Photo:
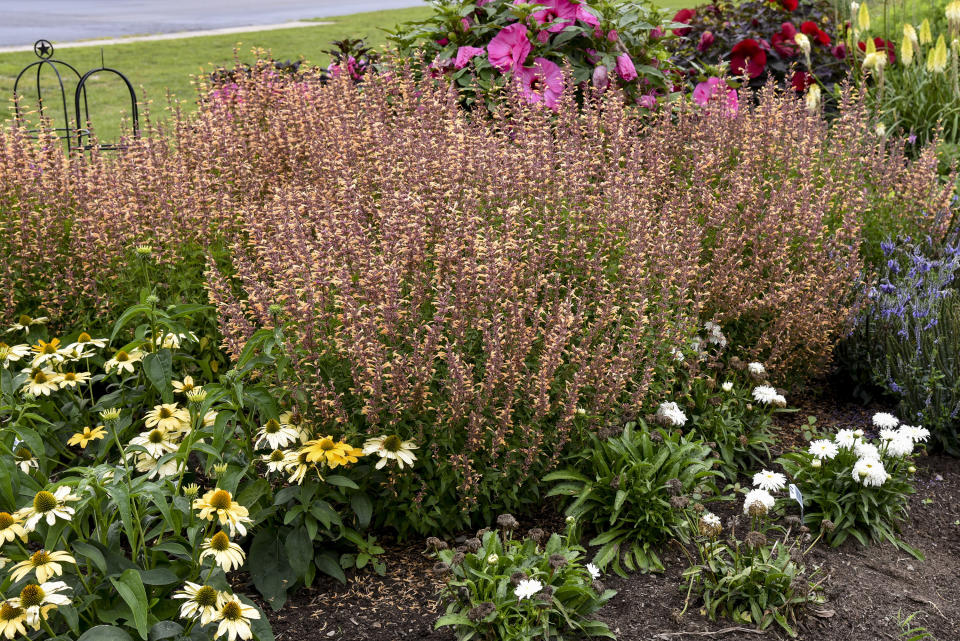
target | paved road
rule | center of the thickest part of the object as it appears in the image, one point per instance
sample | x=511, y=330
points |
x=24, y=21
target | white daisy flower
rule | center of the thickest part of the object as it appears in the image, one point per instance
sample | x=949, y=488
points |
x=916, y=434
x=527, y=588
x=727, y=386
x=389, y=448
x=845, y=438
x=883, y=420
x=769, y=481
x=758, y=502
x=823, y=449
x=593, y=570
x=864, y=449
x=870, y=472
x=899, y=446
x=672, y=413
x=756, y=369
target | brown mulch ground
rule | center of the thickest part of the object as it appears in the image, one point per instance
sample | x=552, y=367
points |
x=868, y=590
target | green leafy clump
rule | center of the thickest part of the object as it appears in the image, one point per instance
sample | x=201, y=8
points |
x=623, y=487
x=503, y=588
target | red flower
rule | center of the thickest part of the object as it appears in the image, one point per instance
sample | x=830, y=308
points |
x=811, y=29
x=684, y=16
x=789, y=5
x=706, y=39
x=783, y=41
x=840, y=51
x=881, y=45
x=747, y=55
x=801, y=80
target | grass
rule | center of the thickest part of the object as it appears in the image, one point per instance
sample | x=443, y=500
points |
x=158, y=67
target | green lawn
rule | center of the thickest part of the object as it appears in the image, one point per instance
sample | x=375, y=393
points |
x=158, y=67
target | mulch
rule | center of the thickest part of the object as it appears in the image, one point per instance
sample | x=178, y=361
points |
x=869, y=590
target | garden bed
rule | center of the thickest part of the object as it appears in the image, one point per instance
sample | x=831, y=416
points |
x=869, y=590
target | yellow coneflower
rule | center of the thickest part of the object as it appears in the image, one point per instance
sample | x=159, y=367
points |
x=152, y=466
x=86, y=436
x=25, y=460
x=391, y=448
x=46, y=564
x=157, y=442
x=937, y=57
x=297, y=466
x=294, y=420
x=12, y=353
x=184, y=386
x=227, y=554
x=234, y=618
x=202, y=601
x=85, y=341
x=10, y=528
x=37, y=601
x=276, y=460
x=276, y=434
x=168, y=416
x=72, y=379
x=123, y=361
x=46, y=352
x=12, y=619
x=25, y=322
x=41, y=382
x=220, y=504
x=48, y=506
x=330, y=453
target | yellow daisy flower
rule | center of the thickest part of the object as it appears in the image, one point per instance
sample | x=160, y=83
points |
x=234, y=618
x=12, y=619
x=201, y=601
x=87, y=435
x=72, y=379
x=25, y=322
x=168, y=416
x=47, y=352
x=219, y=503
x=391, y=448
x=184, y=386
x=297, y=466
x=332, y=453
x=41, y=382
x=123, y=361
x=227, y=554
x=46, y=564
x=10, y=527
x=37, y=600
x=48, y=506
x=12, y=353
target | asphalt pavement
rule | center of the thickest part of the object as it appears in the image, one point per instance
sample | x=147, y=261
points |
x=22, y=22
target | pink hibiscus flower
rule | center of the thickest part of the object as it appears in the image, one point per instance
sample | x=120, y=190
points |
x=464, y=54
x=704, y=91
x=509, y=48
x=543, y=82
x=625, y=67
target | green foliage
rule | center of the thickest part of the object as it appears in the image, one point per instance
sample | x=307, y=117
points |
x=622, y=487
x=485, y=585
x=754, y=581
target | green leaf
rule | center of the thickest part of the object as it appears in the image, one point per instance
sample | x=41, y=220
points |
x=165, y=630
x=341, y=481
x=105, y=633
x=159, y=576
x=299, y=547
x=131, y=590
x=92, y=554
x=363, y=507
x=452, y=619
x=270, y=569
x=330, y=565
x=159, y=370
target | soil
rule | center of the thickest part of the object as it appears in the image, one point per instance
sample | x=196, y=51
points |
x=869, y=590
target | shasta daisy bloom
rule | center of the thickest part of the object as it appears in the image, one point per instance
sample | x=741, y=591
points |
x=758, y=502
x=672, y=413
x=823, y=449
x=46, y=564
x=48, y=506
x=168, y=416
x=12, y=619
x=768, y=396
x=41, y=382
x=864, y=449
x=870, y=472
x=727, y=386
x=769, y=481
x=10, y=528
x=297, y=466
x=276, y=434
x=845, y=438
x=756, y=370
x=527, y=588
x=24, y=323
x=200, y=601
x=593, y=570
x=220, y=504
x=72, y=379
x=276, y=460
x=917, y=434
x=123, y=361
x=899, y=446
x=156, y=442
x=25, y=460
x=87, y=435
x=883, y=420
x=234, y=618
x=37, y=601
x=12, y=353
x=227, y=554
x=888, y=434
x=389, y=448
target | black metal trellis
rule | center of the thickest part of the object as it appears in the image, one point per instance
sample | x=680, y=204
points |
x=76, y=137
